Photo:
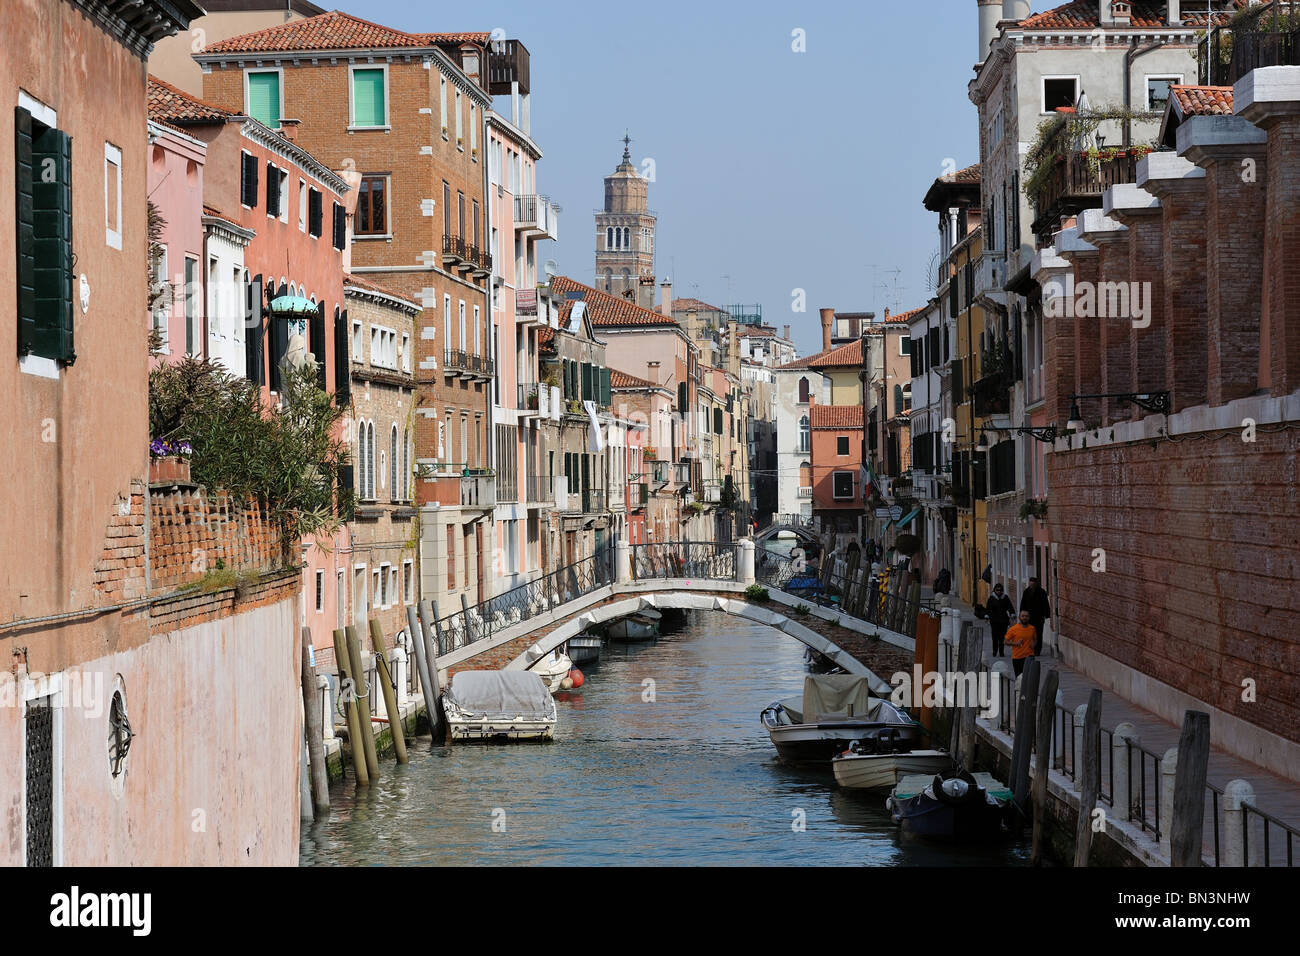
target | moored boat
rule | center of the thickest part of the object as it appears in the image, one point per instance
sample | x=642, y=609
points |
x=954, y=805
x=584, y=649
x=498, y=706
x=859, y=769
x=638, y=627
x=551, y=667
x=835, y=710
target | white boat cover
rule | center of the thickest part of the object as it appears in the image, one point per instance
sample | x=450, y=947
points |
x=831, y=695
x=506, y=694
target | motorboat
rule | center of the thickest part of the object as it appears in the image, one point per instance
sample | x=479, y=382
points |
x=875, y=764
x=819, y=663
x=584, y=649
x=552, y=667
x=499, y=706
x=954, y=805
x=835, y=710
x=638, y=627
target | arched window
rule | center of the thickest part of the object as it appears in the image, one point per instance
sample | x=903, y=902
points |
x=393, y=489
x=805, y=475
x=609, y=237
x=370, y=461
x=406, y=464
x=361, y=460
x=803, y=391
x=803, y=433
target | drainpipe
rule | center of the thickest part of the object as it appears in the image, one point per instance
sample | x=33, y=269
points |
x=1131, y=54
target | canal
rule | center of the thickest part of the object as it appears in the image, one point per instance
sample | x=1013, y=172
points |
x=658, y=759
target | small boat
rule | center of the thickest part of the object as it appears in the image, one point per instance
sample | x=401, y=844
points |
x=875, y=765
x=584, y=649
x=551, y=668
x=953, y=805
x=641, y=626
x=498, y=706
x=819, y=663
x=836, y=709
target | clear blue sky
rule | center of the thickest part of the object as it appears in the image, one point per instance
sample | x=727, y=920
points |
x=782, y=170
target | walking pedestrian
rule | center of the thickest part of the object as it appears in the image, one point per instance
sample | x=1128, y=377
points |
x=1034, y=600
x=1000, y=612
x=943, y=583
x=1020, y=638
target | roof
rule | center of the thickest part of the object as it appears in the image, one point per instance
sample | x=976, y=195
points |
x=607, y=311
x=685, y=305
x=1085, y=15
x=901, y=317
x=756, y=331
x=847, y=354
x=335, y=31
x=836, y=416
x=1202, y=100
x=167, y=104
x=619, y=379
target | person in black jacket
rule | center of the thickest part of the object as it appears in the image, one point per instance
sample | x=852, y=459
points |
x=1000, y=611
x=1034, y=600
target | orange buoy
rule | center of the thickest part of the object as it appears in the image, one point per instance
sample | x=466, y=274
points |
x=575, y=675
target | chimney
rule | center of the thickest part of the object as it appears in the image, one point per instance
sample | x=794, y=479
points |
x=990, y=11
x=1122, y=11
x=289, y=129
x=1175, y=13
x=786, y=334
x=1015, y=10
x=886, y=313
x=828, y=319
x=666, y=297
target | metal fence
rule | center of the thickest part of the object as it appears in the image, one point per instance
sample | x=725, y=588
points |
x=684, y=559
x=481, y=621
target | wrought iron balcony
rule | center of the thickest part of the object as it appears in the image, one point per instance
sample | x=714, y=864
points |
x=453, y=250
x=531, y=397
x=537, y=216
x=467, y=365
x=1260, y=36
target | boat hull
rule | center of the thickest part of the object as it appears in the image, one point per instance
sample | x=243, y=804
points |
x=584, y=650
x=818, y=744
x=631, y=630
x=883, y=771
x=933, y=815
x=500, y=731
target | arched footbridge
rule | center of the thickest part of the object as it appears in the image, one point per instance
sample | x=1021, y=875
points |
x=678, y=575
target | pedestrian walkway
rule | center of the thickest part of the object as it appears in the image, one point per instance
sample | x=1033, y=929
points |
x=1274, y=794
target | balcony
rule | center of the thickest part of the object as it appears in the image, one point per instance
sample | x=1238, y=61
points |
x=638, y=493
x=454, y=251
x=1266, y=35
x=508, y=64
x=805, y=491
x=992, y=395
x=478, y=491
x=537, y=216
x=541, y=490
x=588, y=501
x=527, y=308
x=466, y=365
x=1072, y=178
x=530, y=400
x=712, y=492
x=480, y=262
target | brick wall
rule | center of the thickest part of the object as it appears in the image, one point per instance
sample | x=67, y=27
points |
x=192, y=533
x=1202, y=553
x=1184, y=288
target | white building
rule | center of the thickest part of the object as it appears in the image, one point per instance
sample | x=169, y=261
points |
x=796, y=384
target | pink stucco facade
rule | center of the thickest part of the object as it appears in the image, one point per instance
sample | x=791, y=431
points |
x=175, y=185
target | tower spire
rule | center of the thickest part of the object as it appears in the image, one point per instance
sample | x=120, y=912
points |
x=627, y=143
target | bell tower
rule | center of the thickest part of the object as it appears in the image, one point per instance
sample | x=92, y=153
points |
x=625, y=235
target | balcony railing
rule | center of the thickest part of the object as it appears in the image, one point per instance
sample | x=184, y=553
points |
x=508, y=64
x=537, y=215
x=541, y=489
x=712, y=492
x=1076, y=181
x=454, y=249
x=480, y=261
x=638, y=493
x=805, y=491
x=530, y=398
x=1268, y=35
x=587, y=501
x=478, y=491
x=468, y=364
x=507, y=489
x=992, y=395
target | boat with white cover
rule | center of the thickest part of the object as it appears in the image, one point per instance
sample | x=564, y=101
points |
x=835, y=710
x=875, y=765
x=551, y=668
x=488, y=706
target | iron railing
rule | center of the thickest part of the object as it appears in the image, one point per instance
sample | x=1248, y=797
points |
x=1265, y=853
x=481, y=621
x=541, y=489
x=684, y=559
x=1268, y=35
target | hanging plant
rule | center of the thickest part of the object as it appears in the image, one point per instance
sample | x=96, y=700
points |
x=1062, y=134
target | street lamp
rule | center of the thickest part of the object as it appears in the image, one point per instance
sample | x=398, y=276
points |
x=1155, y=402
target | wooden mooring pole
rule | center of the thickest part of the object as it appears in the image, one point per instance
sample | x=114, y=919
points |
x=390, y=692
x=1043, y=761
x=348, y=691
x=319, y=775
x=1187, y=825
x=1089, y=778
x=1024, y=742
x=363, y=701
x=428, y=687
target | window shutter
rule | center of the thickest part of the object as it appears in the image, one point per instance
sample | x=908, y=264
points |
x=272, y=190
x=316, y=339
x=367, y=97
x=314, y=212
x=604, y=387
x=681, y=397
x=248, y=181
x=52, y=220
x=340, y=227
x=25, y=218
x=342, y=378
x=586, y=382
x=253, y=332
x=717, y=421
x=264, y=98
x=279, y=346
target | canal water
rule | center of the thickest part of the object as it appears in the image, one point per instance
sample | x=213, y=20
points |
x=658, y=759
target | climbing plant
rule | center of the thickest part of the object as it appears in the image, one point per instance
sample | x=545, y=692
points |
x=1057, y=135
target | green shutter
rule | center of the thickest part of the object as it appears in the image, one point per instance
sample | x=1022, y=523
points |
x=604, y=387
x=52, y=219
x=367, y=97
x=264, y=98
x=24, y=216
x=586, y=382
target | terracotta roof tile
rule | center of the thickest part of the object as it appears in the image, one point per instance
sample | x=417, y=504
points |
x=335, y=31
x=1085, y=15
x=608, y=311
x=757, y=332
x=685, y=305
x=836, y=416
x=167, y=104
x=901, y=317
x=848, y=354
x=1202, y=100
x=619, y=379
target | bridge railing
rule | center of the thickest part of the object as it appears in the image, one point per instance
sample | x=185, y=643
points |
x=481, y=621
x=774, y=570
x=684, y=559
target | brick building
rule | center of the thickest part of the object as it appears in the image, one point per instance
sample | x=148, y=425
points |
x=837, y=440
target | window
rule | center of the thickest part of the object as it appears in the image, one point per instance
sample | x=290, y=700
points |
x=302, y=206
x=369, y=97
x=442, y=91
x=113, y=196
x=262, y=97
x=340, y=227
x=320, y=591
x=904, y=345
x=842, y=485
x=406, y=464
x=405, y=352
x=842, y=445
x=408, y=582
x=377, y=579
x=192, y=289
x=162, y=304
x=314, y=213
x=461, y=342
x=460, y=131
x=803, y=433
x=44, y=233
x=1059, y=91
x=358, y=346
x=372, y=208
x=478, y=332
x=248, y=180
x=803, y=391
x=446, y=321
x=272, y=191
x=1158, y=91
x=394, y=491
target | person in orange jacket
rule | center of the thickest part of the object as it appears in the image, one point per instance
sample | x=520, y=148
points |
x=1020, y=638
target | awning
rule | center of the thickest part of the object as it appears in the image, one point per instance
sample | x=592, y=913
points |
x=907, y=518
x=293, y=305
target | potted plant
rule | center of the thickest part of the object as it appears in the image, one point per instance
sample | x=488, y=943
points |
x=169, y=461
x=651, y=453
